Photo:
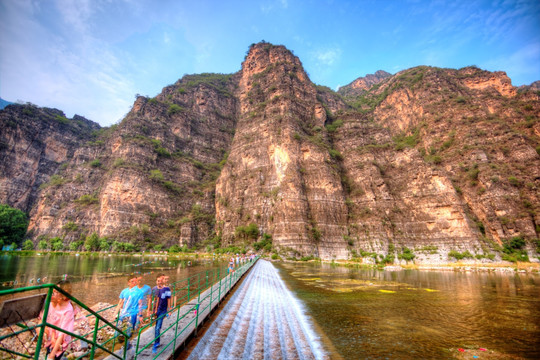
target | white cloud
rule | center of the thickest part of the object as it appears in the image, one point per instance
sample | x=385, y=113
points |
x=328, y=57
x=47, y=67
x=521, y=65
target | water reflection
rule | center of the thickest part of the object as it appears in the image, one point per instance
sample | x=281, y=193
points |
x=98, y=278
x=409, y=314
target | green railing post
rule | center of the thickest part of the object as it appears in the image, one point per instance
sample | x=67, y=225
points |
x=211, y=294
x=43, y=321
x=176, y=328
x=188, y=289
x=94, y=339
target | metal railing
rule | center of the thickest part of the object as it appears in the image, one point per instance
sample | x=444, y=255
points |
x=183, y=291
x=43, y=324
x=217, y=281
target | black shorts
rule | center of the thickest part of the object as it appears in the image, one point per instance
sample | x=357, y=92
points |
x=49, y=349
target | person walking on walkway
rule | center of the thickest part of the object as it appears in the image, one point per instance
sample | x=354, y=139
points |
x=128, y=306
x=161, y=309
x=145, y=295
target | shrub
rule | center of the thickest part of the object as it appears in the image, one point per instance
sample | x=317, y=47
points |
x=61, y=119
x=92, y=242
x=87, y=200
x=43, y=245
x=459, y=256
x=406, y=254
x=13, y=224
x=74, y=246
x=265, y=243
x=275, y=256
x=28, y=245
x=156, y=175
x=334, y=126
x=335, y=154
x=403, y=141
x=174, y=108
x=70, y=226
x=95, y=163
x=56, y=244
x=247, y=232
x=513, y=181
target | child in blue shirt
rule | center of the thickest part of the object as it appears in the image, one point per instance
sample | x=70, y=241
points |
x=161, y=308
x=128, y=306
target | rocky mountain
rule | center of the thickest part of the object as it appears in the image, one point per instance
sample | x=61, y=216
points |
x=35, y=143
x=428, y=162
x=363, y=84
x=4, y=103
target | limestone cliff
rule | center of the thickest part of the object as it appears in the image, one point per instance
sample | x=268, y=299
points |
x=34, y=143
x=427, y=161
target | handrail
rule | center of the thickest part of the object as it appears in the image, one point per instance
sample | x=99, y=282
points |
x=183, y=291
x=236, y=274
x=50, y=288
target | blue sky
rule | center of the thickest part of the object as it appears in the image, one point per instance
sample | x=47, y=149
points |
x=90, y=57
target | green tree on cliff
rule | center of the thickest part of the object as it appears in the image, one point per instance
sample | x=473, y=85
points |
x=13, y=224
x=92, y=242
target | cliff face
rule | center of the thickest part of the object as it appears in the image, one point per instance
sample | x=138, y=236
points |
x=428, y=160
x=363, y=84
x=279, y=173
x=151, y=178
x=34, y=143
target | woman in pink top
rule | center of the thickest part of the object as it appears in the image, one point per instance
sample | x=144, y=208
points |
x=61, y=314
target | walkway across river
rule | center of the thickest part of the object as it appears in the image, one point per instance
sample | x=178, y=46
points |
x=262, y=320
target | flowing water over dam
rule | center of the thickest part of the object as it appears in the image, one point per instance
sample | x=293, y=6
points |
x=262, y=320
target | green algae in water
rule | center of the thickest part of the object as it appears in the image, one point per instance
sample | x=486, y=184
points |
x=427, y=314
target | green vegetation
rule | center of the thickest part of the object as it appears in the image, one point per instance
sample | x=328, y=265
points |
x=406, y=254
x=336, y=155
x=265, y=244
x=87, y=199
x=250, y=232
x=174, y=109
x=13, y=224
x=55, y=180
x=513, y=249
x=459, y=256
x=95, y=163
x=28, y=245
x=156, y=175
x=402, y=141
x=331, y=128
x=70, y=226
x=514, y=181
x=61, y=119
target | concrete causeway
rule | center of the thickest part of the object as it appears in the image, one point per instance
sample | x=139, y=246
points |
x=190, y=315
x=262, y=320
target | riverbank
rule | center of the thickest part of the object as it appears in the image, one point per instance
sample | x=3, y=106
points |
x=504, y=267
x=463, y=266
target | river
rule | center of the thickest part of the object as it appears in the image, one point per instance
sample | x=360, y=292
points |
x=358, y=313
x=96, y=278
x=413, y=314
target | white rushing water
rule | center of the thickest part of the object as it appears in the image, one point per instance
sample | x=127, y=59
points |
x=262, y=320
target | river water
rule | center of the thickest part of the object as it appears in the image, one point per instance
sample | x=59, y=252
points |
x=97, y=278
x=414, y=314
x=356, y=313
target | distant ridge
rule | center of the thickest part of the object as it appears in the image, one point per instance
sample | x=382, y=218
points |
x=4, y=103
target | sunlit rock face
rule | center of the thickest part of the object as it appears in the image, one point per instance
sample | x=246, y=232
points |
x=280, y=173
x=34, y=143
x=432, y=160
